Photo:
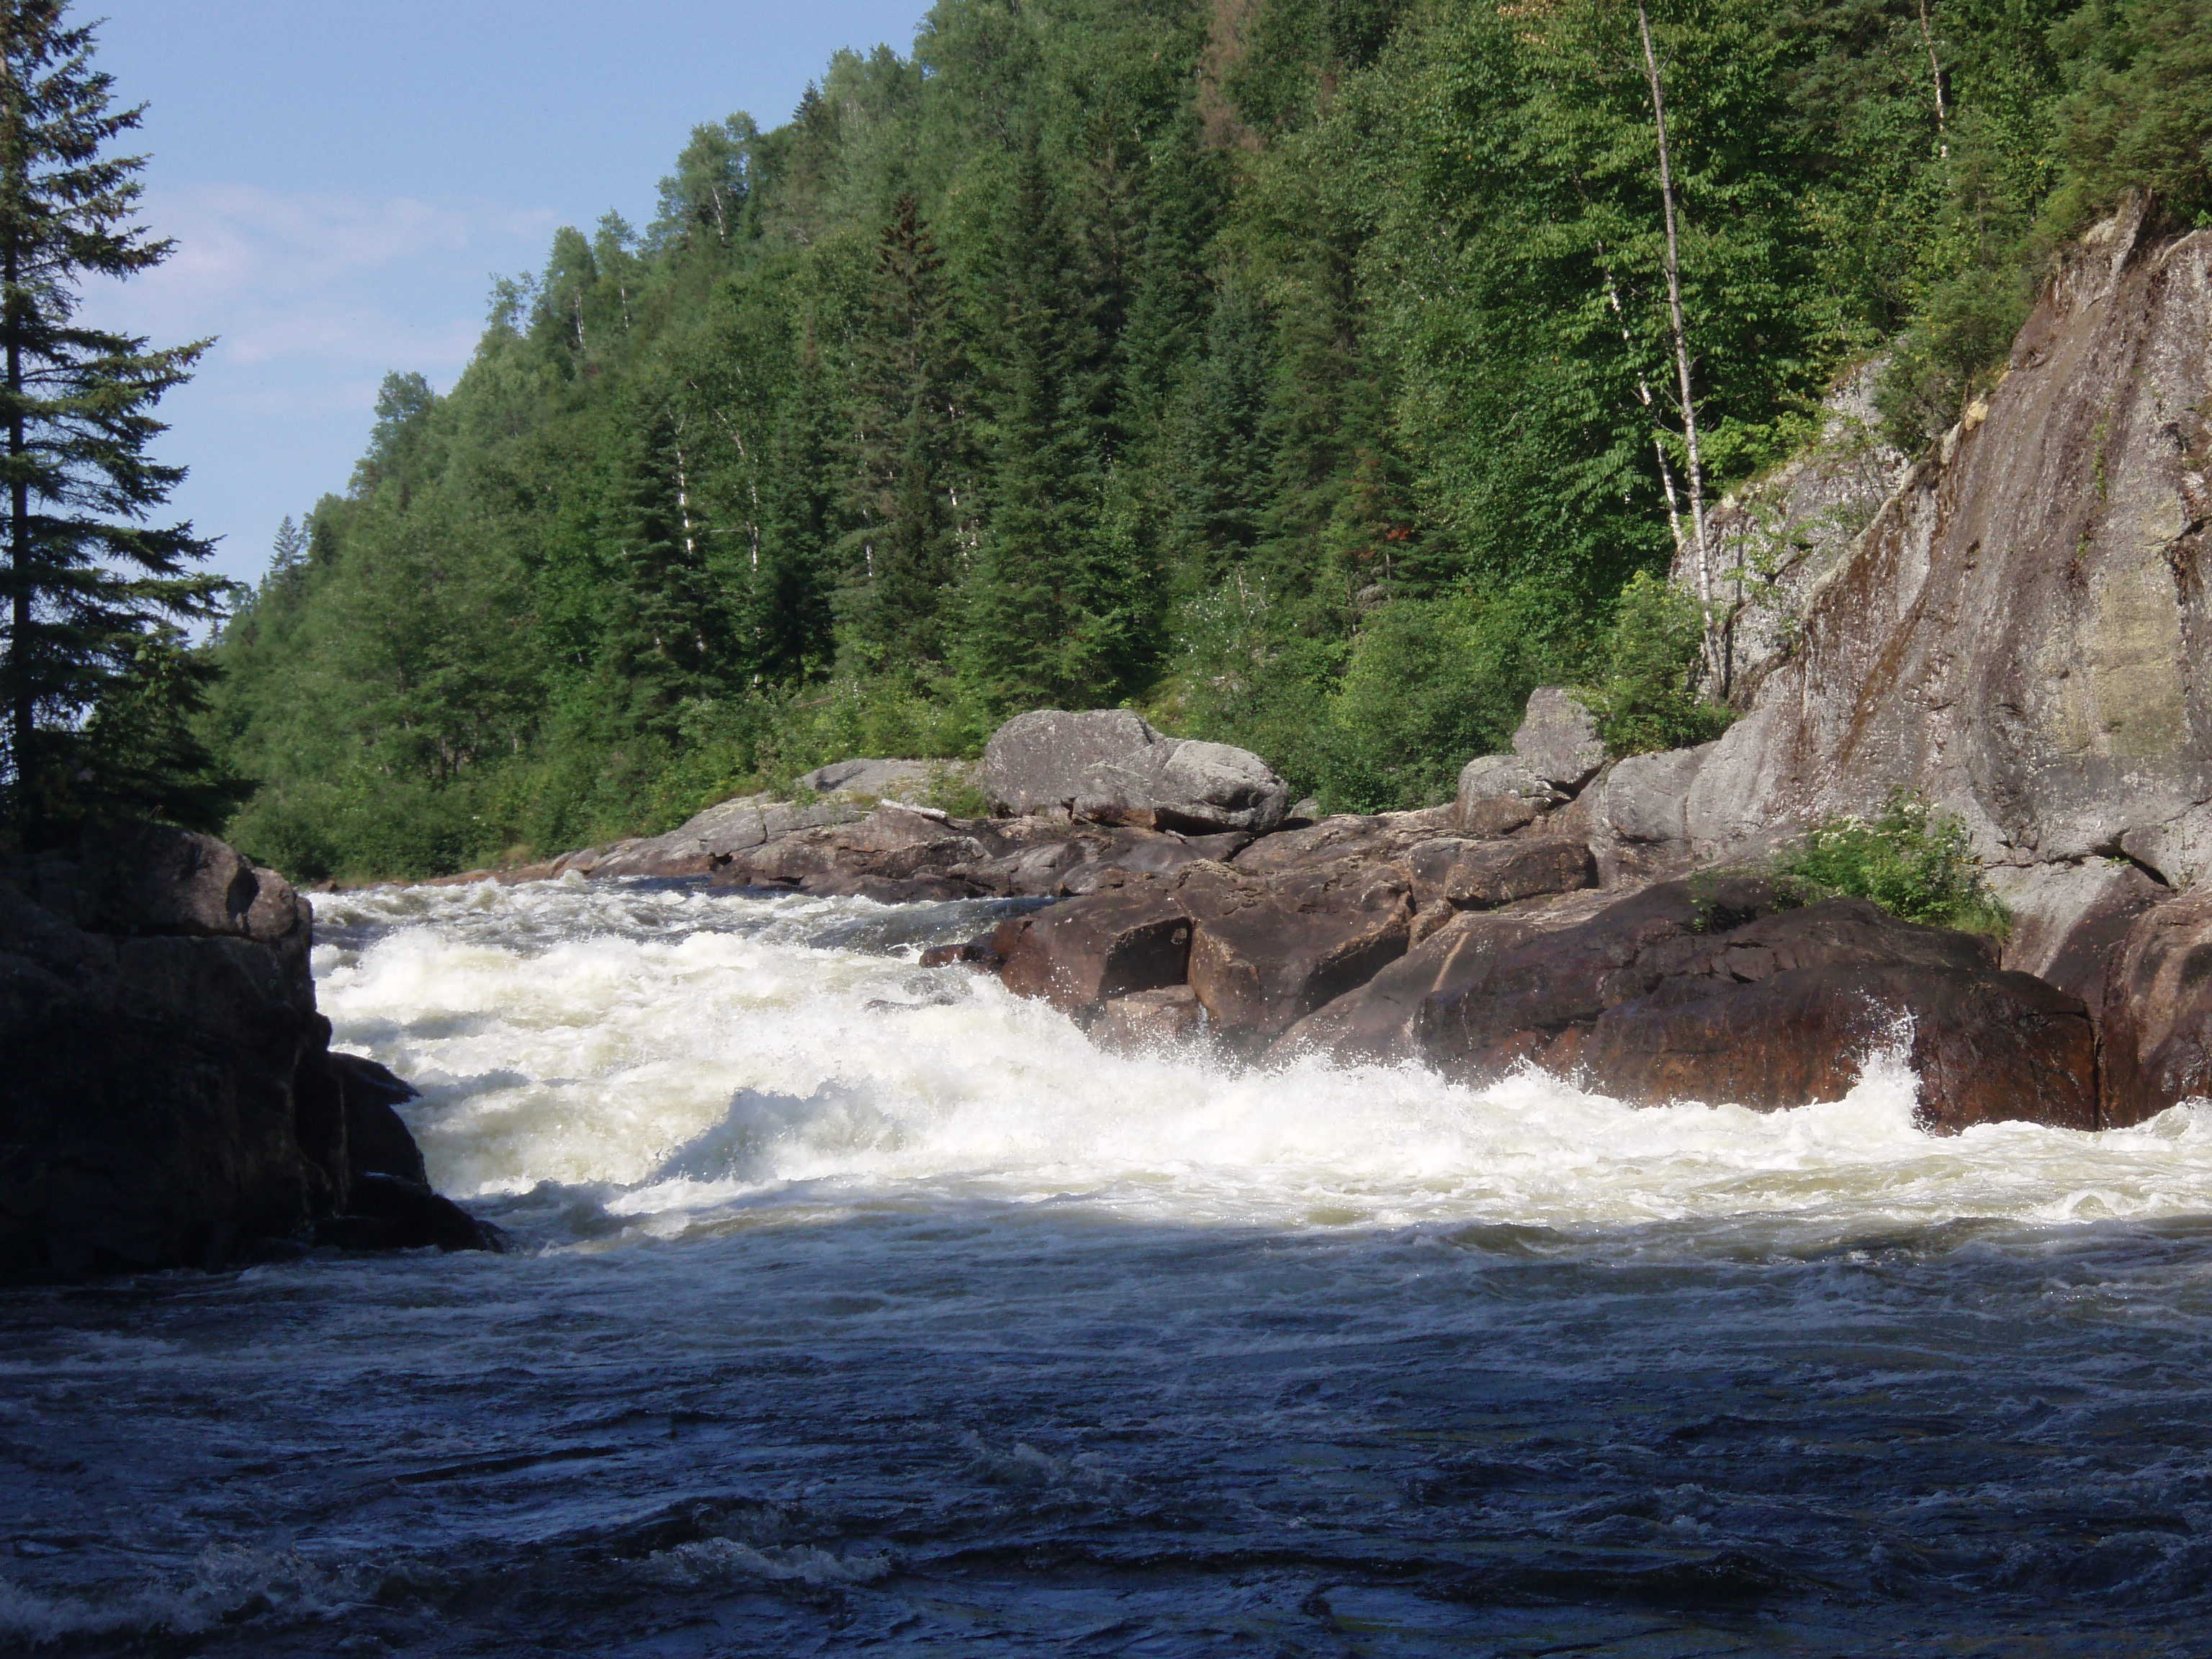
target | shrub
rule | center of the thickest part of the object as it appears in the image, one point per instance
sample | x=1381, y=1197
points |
x=1648, y=699
x=1910, y=859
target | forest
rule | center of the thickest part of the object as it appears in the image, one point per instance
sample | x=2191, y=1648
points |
x=1302, y=374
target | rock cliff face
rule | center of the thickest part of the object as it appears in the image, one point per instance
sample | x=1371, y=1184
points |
x=170, y=1098
x=2022, y=634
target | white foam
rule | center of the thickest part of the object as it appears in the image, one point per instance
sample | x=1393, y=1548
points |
x=693, y=1053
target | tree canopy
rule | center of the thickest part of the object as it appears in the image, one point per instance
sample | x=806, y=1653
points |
x=1302, y=374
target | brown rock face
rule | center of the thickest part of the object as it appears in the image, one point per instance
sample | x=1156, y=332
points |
x=1478, y=875
x=1714, y=990
x=1147, y=1020
x=1987, y=1047
x=2158, y=1011
x=1077, y=955
x=1378, y=1020
x=170, y=1098
x=2021, y=634
x=1264, y=954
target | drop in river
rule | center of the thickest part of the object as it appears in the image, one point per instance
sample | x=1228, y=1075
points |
x=861, y=1308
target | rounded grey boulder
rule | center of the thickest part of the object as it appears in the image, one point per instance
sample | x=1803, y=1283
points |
x=1558, y=738
x=1110, y=766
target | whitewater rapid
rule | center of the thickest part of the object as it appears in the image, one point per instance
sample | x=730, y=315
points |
x=860, y=1307
x=700, y=1060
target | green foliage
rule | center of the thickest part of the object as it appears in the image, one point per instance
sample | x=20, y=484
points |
x=1910, y=859
x=1648, y=698
x=1306, y=384
x=2137, y=115
x=92, y=593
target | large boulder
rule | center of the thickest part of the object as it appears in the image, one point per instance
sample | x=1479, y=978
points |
x=1500, y=793
x=1558, y=738
x=171, y=1099
x=1264, y=954
x=1646, y=799
x=1109, y=765
x=1077, y=955
x=711, y=841
x=1481, y=875
x=2158, y=1011
x=1379, y=1020
x=1723, y=989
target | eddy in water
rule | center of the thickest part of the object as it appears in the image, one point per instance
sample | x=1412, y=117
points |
x=861, y=1307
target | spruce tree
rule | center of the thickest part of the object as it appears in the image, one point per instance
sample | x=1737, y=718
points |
x=905, y=439
x=89, y=582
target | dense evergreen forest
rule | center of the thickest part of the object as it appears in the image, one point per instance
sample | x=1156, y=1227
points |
x=1301, y=373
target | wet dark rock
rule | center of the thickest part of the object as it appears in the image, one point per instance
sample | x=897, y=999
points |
x=2158, y=1011
x=377, y=1141
x=167, y=1100
x=1377, y=1021
x=171, y=1099
x=387, y=1214
x=1265, y=953
x=975, y=952
x=1718, y=990
x=1145, y=1021
x=1077, y=955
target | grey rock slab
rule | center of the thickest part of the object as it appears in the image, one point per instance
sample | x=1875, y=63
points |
x=1558, y=738
x=2020, y=633
x=1498, y=793
x=1646, y=798
x=908, y=781
x=1109, y=766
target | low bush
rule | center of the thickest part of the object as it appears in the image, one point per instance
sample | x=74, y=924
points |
x=1910, y=858
x=1649, y=699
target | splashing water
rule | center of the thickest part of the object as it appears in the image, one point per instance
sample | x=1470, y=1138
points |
x=688, y=1057
x=863, y=1306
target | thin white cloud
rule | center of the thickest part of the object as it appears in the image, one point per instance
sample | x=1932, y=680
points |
x=287, y=280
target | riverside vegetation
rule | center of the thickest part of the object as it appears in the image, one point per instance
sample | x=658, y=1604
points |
x=1305, y=375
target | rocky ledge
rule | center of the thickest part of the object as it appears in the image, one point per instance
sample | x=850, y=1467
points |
x=1555, y=914
x=172, y=1098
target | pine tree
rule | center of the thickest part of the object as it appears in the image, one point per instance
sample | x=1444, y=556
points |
x=85, y=592
x=906, y=404
x=668, y=637
x=1032, y=635
x=788, y=622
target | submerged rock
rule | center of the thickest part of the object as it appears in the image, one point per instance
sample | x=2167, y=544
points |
x=1145, y=1021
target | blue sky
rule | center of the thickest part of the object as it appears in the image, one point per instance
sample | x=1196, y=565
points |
x=344, y=178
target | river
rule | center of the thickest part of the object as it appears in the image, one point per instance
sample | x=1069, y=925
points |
x=860, y=1308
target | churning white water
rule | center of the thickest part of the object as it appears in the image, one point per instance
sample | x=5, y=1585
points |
x=857, y=1307
x=697, y=1053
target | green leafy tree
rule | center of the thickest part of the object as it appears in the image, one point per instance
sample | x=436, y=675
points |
x=88, y=580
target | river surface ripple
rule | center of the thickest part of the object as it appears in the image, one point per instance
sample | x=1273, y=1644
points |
x=859, y=1307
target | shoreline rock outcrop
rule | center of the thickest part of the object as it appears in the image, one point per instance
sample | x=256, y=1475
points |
x=2011, y=627
x=172, y=1099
